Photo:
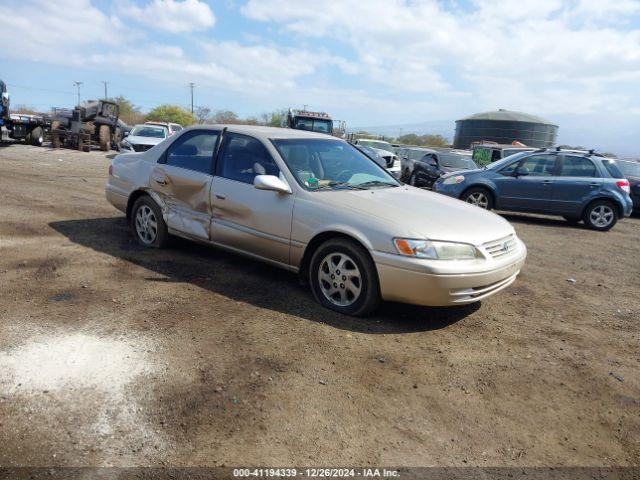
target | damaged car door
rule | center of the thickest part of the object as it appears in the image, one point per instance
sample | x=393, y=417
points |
x=182, y=178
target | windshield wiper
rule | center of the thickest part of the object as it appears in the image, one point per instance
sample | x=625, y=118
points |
x=376, y=183
x=336, y=185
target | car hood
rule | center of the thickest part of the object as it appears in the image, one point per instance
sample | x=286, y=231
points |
x=135, y=139
x=414, y=212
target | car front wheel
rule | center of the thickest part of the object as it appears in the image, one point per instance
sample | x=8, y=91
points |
x=147, y=224
x=478, y=196
x=601, y=215
x=343, y=278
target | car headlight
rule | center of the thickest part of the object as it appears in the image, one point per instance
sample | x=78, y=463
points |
x=455, y=179
x=435, y=250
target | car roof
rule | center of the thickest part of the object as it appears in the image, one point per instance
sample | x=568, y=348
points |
x=265, y=133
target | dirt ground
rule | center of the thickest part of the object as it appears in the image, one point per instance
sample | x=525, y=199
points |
x=114, y=355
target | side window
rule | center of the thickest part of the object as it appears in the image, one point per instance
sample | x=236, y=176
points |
x=509, y=169
x=193, y=151
x=577, y=167
x=243, y=158
x=539, y=165
x=496, y=155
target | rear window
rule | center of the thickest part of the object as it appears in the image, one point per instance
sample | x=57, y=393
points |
x=632, y=169
x=613, y=169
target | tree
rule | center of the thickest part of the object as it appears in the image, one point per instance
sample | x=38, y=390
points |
x=129, y=113
x=171, y=113
x=424, y=140
x=226, y=116
x=273, y=119
x=203, y=115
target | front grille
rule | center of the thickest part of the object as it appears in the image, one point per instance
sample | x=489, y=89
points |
x=141, y=148
x=501, y=247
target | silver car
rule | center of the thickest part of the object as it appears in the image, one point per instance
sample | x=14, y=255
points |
x=315, y=205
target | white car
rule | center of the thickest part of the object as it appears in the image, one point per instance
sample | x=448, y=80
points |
x=171, y=127
x=142, y=137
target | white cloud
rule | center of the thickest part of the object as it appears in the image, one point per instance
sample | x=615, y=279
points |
x=551, y=54
x=175, y=16
x=47, y=31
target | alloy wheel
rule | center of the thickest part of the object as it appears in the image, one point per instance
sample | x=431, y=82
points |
x=146, y=225
x=602, y=216
x=478, y=199
x=340, y=279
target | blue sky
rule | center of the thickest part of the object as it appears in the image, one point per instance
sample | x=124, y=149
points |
x=371, y=63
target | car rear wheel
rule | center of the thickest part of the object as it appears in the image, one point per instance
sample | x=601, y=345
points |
x=343, y=278
x=147, y=224
x=478, y=196
x=601, y=215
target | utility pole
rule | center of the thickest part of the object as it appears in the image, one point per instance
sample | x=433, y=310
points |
x=191, y=85
x=78, y=84
x=105, y=89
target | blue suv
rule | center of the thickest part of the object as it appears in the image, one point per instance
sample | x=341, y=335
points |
x=576, y=185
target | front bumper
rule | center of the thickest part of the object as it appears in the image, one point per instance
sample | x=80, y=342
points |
x=451, y=190
x=410, y=280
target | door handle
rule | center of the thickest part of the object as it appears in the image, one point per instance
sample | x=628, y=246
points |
x=220, y=196
x=593, y=184
x=547, y=182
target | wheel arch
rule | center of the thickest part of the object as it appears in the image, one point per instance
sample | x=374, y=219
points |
x=318, y=240
x=485, y=186
x=605, y=198
x=136, y=194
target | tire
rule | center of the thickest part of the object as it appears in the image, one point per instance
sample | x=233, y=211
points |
x=412, y=179
x=144, y=233
x=55, y=138
x=340, y=257
x=37, y=137
x=478, y=196
x=600, y=215
x=105, y=138
x=27, y=139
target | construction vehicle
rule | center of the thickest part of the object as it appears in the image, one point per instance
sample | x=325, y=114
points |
x=92, y=122
x=16, y=126
x=320, y=122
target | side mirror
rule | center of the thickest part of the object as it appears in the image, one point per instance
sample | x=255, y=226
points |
x=126, y=134
x=521, y=172
x=271, y=182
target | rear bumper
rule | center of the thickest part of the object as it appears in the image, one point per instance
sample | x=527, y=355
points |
x=117, y=200
x=408, y=285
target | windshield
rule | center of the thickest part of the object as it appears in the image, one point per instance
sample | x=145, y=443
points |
x=319, y=164
x=378, y=144
x=314, y=125
x=507, y=160
x=631, y=169
x=148, y=131
x=455, y=161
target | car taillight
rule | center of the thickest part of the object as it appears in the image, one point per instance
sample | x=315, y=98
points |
x=624, y=185
x=110, y=170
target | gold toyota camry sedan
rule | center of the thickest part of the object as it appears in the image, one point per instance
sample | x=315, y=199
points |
x=316, y=205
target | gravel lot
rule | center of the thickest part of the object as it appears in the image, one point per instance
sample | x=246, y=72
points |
x=113, y=355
